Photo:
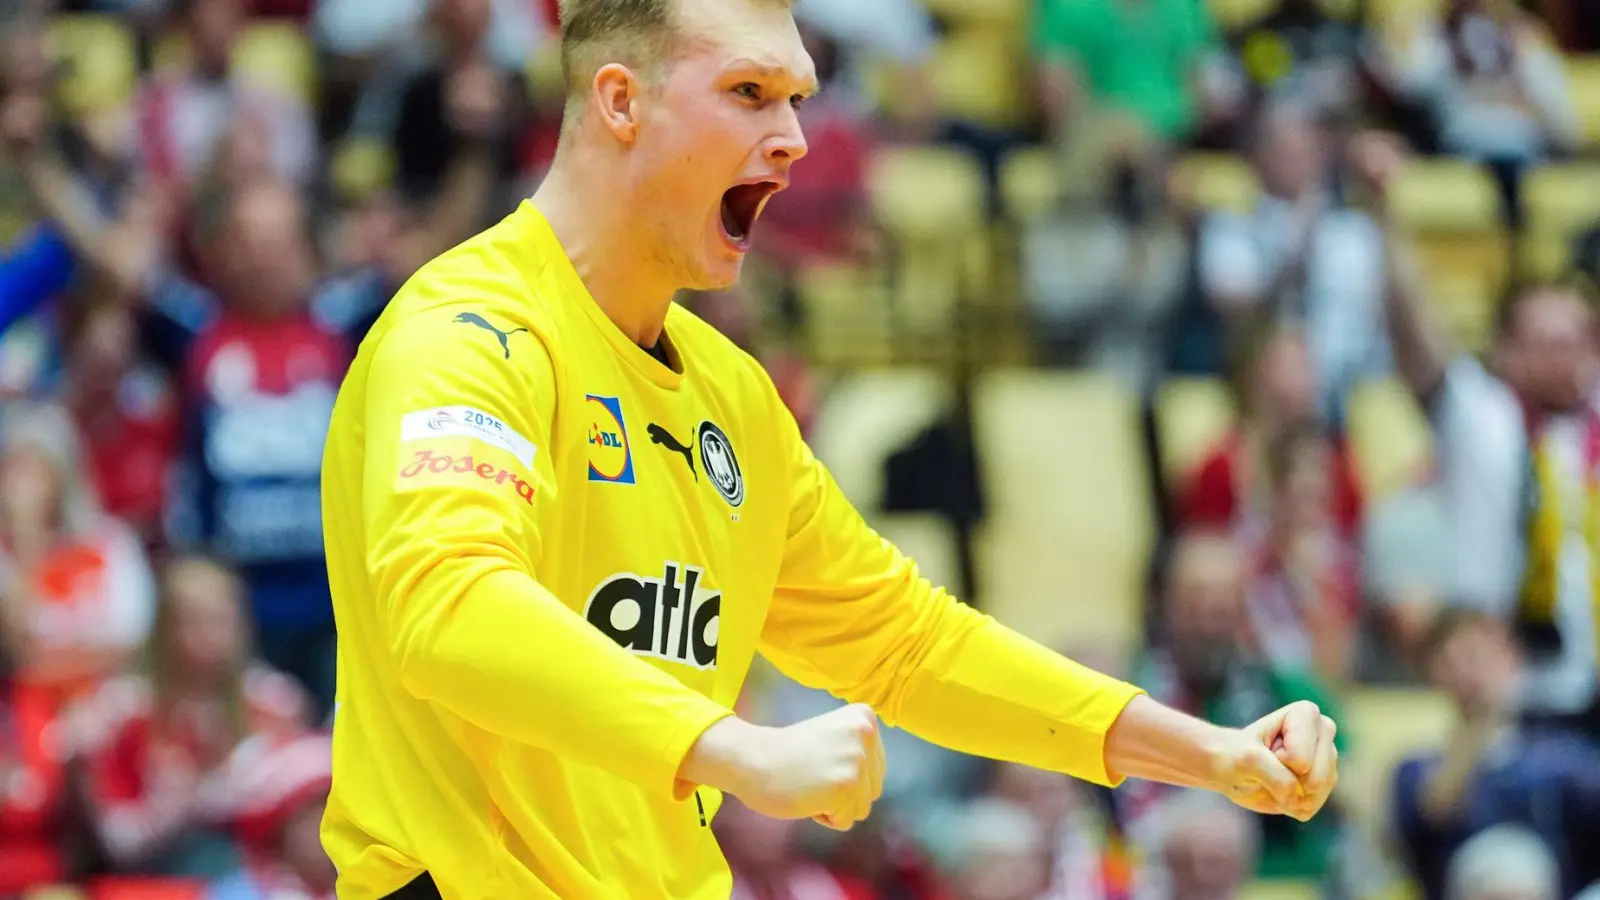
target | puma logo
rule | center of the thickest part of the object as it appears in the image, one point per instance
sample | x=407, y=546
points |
x=504, y=337
x=659, y=435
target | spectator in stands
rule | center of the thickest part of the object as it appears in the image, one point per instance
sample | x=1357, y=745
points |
x=1493, y=82
x=128, y=412
x=1087, y=860
x=1204, y=850
x=879, y=859
x=162, y=747
x=1503, y=864
x=1301, y=257
x=182, y=115
x=1304, y=594
x=1202, y=660
x=282, y=793
x=1521, y=546
x=1106, y=60
x=1491, y=772
x=76, y=594
x=1275, y=391
x=765, y=857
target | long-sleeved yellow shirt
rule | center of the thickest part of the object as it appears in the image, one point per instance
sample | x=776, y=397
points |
x=553, y=559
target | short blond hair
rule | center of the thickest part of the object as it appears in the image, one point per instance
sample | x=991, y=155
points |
x=632, y=32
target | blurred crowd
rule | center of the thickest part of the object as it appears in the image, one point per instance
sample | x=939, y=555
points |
x=205, y=203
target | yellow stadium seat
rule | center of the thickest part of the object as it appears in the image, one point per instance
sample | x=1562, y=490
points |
x=926, y=191
x=361, y=166
x=101, y=60
x=930, y=542
x=1583, y=79
x=1030, y=183
x=1447, y=257
x=846, y=315
x=1465, y=306
x=546, y=82
x=1218, y=181
x=1281, y=889
x=1235, y=14
x=1389, y=437
x=1385, y=14
x=1063, y=551
x=988, y=13
x=1192, y=415
x=273, y=55
x=869, y=415
x=56, y=892
x=277, y=55
x=1386, y=726
x=1544, y=255
x=980, y=75
x=1562, y=199
x=1446, y=196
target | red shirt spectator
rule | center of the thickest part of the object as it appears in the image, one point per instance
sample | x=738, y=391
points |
x=161, y=750
x=1217, y=494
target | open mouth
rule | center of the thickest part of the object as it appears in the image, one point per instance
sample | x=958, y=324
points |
x=741, y=204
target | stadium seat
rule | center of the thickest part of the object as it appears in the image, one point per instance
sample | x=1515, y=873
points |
x=360, y=166
x=100, y=58
x=1192, y=415
x=925, y=191
x=958, y=14
x=1385, y=726
x=1561, y=200
x=930, y=542
x=866, y=416
x=278, y=55
x=1281, y=889
x=1231, y=15
x=980, y=74
x=1583, y=79
x=1446, y=196
x=1485, y=256
x=1030, y=183
x=1217, y=181
x=1066, y=541
x=1389, y=437
x=1386, y=14
x=1465, y=306
x=273, y=55
x=846, y=315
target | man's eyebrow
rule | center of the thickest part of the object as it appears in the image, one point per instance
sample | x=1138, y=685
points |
x=809, y=87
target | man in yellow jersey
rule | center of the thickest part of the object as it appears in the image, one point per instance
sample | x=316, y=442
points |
x=562, y=516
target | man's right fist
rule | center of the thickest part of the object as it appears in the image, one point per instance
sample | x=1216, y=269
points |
x=828, y=768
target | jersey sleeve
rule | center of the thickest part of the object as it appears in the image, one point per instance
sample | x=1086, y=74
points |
x=852, y=615
x=457, y=464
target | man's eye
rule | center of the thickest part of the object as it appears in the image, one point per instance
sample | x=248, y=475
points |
x=749, y=90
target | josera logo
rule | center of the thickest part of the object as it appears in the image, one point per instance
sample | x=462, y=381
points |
x=610, y=456
x=657, y=617
x=426, y=462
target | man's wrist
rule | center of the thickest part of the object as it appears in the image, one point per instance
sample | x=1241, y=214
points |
x=723, y=757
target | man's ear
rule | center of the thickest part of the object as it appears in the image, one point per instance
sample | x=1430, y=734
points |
x=618, y=92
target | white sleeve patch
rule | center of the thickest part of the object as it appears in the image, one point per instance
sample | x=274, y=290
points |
x=465, y=421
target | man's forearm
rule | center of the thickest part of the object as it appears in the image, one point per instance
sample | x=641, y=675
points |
x=1157, y=743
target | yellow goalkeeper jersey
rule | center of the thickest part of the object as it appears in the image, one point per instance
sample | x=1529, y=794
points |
x=554, y=557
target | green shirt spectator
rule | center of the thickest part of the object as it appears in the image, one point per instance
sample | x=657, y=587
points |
x=1136, y=56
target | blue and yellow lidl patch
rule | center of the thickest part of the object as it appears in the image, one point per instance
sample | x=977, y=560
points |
x=610, y=456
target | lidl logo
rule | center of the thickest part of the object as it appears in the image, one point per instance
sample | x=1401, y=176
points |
x=610, y=456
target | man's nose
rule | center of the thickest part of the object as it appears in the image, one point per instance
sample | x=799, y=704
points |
x=789, y=144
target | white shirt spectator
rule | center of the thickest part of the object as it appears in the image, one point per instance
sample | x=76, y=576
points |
x=1241, y=256
x=1481, y=445
x=361, y=27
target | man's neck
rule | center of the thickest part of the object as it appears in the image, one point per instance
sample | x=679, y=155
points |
x=591, y=217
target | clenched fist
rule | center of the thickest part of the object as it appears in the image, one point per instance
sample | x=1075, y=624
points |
x=1285, y=763
x=828, y=768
